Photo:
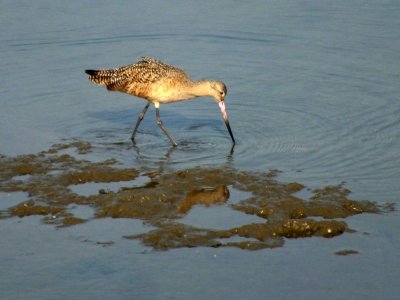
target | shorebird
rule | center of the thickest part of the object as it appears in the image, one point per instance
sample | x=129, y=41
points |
x=159, y=83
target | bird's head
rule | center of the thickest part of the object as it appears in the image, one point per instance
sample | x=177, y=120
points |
x=218, y=90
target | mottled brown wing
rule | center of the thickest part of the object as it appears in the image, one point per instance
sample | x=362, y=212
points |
x=145, y=72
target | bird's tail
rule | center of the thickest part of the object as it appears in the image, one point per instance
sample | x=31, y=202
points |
x=102, y=77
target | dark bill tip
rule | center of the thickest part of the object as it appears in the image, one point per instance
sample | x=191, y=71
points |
x=229, y=130
x=225, y=117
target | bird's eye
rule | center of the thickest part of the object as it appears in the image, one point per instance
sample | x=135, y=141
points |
x=222, y=93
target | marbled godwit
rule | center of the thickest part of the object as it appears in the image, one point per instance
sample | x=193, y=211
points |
x=159, y=83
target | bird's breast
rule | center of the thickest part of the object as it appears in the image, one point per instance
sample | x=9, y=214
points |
x=169, y=92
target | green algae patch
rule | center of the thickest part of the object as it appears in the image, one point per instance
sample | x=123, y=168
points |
x=167, y=197
x=29, y=208
x=80, y=147
x=99, y=173
x=63, y=220
x=346, y=252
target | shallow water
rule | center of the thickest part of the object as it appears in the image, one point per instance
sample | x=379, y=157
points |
x=312, y=92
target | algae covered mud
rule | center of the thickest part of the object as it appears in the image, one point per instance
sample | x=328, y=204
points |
x=53, y=180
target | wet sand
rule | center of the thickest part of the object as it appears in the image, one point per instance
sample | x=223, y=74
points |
x=166, y=198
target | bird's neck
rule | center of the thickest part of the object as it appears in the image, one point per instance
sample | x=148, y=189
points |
x=199, y=88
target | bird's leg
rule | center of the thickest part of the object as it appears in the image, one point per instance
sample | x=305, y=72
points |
x=161, y=125
x=140, y=118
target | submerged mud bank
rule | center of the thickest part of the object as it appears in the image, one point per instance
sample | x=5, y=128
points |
x=162, y=201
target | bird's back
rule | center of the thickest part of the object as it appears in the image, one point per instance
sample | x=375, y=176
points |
x=138, y=79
